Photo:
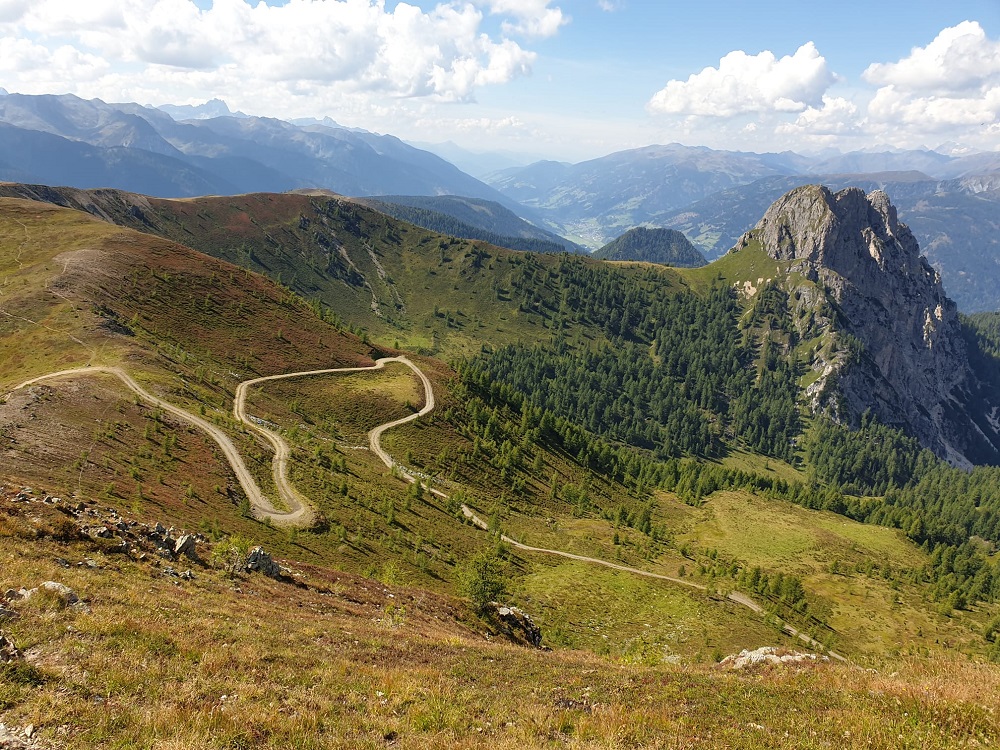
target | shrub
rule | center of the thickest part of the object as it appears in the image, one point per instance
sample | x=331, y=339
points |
x=482, y=578
x=230, y=554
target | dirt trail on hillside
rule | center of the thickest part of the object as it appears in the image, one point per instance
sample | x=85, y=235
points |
x=298, y=511
x=742, y=599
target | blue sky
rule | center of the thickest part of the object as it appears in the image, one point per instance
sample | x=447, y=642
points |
x=568, y=80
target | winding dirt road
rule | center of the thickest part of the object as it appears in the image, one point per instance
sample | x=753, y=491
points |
x=735, y=596
x=298, y=510
x=246, y=480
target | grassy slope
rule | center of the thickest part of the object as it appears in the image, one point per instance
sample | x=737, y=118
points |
x=434, y=294
x=339, y=661
x=356, y=261
x=181, y=309
x=185, y=307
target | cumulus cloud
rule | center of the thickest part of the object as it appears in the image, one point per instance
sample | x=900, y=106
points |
x=960, y=59
x=349, y=46
x=749, y=84
x=932, y=114
x=531, y=17
x=953, y=82
x=836, y=116
x=13, y=10
x=22, y=59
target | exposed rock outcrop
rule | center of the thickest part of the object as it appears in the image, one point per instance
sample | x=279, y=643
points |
x=261, y=561
x=856, y=271
x=769, y=655
x=516, y=624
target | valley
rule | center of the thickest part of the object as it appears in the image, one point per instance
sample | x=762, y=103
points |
x=630, y=447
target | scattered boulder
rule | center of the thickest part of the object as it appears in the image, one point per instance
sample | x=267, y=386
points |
x=769, y=655
x=185, y=545
x=8, y=651
x=261, y=561
x=18, y=738
x=518, y=624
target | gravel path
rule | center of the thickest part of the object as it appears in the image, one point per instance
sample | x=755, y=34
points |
x=300, y=513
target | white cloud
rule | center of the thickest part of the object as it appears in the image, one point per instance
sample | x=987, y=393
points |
x=22, y=59
x=960, y=59
x=836, y=116
x=950, y=86
x=13, y=10
x=532, y=17
x=898, y=109
x=610, y=6
x=749, y=83
x=300, y=48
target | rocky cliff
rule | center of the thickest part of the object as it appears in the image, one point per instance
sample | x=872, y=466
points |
x=894, y=341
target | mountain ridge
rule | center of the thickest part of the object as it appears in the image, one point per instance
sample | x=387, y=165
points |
x=233, y=154
x=910, y=367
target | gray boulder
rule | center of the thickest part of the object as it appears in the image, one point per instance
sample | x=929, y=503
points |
x=185, y=545
x=262, y=562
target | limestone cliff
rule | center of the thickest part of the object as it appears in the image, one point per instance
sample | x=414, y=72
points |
x=894, y=340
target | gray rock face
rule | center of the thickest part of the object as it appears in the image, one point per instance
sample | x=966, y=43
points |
x=262, y=562
x=519, y=624
x=905, y=358
x=185, y=545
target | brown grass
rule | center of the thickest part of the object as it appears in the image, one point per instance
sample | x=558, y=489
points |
x=342, y=661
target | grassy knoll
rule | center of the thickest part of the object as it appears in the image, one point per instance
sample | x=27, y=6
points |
x=77, y=290
x=754, y=463
x=345, y=405
x=637, y=619
x=751, y=264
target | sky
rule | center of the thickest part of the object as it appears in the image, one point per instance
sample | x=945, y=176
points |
x=559, y=79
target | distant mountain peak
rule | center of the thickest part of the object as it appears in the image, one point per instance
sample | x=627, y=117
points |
x=856, y=278
x=208, y=110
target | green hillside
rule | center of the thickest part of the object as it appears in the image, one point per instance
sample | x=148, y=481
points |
x=642, y=416
x=666, y=246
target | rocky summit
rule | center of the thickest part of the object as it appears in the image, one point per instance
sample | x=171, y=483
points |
x=855, y=272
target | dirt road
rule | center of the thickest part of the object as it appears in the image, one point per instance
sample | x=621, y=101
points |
x=299, y=512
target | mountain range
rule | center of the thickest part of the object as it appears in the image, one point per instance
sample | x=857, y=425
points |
x=65, y=140
x=951, y=202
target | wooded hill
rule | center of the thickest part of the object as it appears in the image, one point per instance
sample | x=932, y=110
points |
x=666, y=246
